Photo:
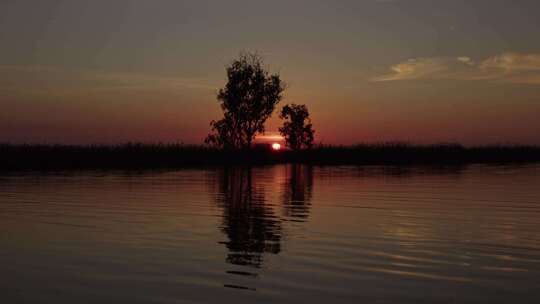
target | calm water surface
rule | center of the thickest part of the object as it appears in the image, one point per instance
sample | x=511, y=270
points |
x=288, y=233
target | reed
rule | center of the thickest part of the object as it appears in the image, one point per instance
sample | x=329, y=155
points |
x=139, y=156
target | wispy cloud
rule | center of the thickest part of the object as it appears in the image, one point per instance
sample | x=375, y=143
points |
x=416, y=69
x=142, y=81
x=60, y=80
x=513, y=62
x=507, y=67
x=466, y=60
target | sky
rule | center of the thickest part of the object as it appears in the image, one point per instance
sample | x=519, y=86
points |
x=420, y=71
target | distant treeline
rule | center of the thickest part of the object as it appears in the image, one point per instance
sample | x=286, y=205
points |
x=140, y=156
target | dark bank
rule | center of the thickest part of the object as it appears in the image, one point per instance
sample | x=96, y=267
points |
x=140, y=156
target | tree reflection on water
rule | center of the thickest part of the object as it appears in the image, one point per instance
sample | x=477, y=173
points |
x=251, y=227
x=297, y=191
x=250, y=222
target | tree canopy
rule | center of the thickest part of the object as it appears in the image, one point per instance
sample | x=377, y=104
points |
x=247, y=100
x=297, y=128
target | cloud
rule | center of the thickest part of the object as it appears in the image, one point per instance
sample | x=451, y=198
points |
x=142, y=81
x=531, y=79
x=513, y=62
x=427, y=68
x=465, y=60
x=61, y=81
x=507, y=68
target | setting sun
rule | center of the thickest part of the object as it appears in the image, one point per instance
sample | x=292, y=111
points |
x=276, y=147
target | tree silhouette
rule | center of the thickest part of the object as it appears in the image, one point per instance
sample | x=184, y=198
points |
x=297, y=128
x=224, y=135
x=247, y=100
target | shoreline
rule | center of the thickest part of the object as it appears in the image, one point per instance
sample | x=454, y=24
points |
x=142, y=156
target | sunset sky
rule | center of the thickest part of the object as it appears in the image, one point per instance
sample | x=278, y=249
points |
x=423, y=71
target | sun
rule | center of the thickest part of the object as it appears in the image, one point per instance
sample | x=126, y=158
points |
x=276, y=147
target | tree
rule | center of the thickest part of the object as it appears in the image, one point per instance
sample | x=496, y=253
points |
x=223, y=135
x=297, y=129
x=247, y=100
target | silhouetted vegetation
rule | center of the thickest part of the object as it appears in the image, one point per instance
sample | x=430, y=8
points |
x=135, y=156
x=297, y=129
x=248, y=100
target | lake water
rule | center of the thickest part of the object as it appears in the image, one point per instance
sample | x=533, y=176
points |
x=287, y=234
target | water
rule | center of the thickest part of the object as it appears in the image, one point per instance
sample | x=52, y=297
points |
x=288, y=234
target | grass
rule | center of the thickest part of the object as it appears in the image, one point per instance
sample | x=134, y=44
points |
x=140, y=156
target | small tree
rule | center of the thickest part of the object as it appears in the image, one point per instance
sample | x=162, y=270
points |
x=248, y=99
x=297, y=129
